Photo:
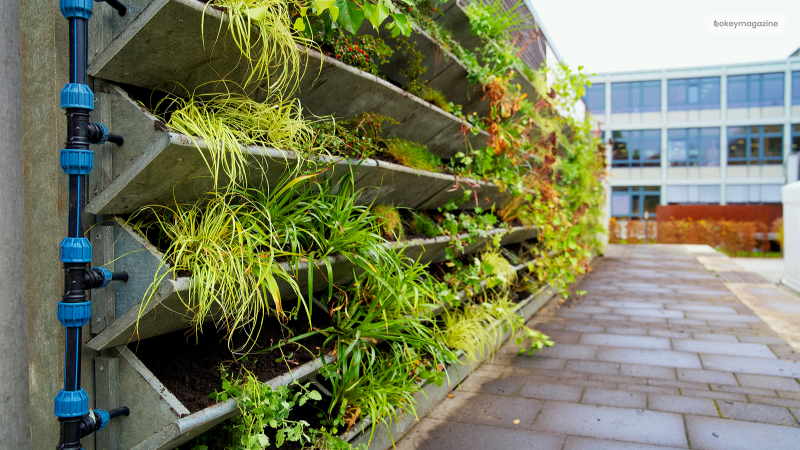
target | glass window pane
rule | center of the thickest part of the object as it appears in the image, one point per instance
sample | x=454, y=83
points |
x=754, y=147
x=651, y=203
x=709, y=147
x=620, y=98
x=773, y=147
x=693, y=94
x=796, y=128
x=737, y=130
x=676, y=95
x=652, y=188
x=796, y=88
x=620, y=204
x=772, y=89
x=636, y=96
x=796, y=143
x=737, y=91
x=709, y=93
x=596, y=98
x=737, y=148
x=636, y=207
x=652, y=96
x=773, y=129
x=753, y=91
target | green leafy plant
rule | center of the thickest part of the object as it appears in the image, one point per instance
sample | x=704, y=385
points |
x=412, y=155
x=356, y=51
x=262, y=407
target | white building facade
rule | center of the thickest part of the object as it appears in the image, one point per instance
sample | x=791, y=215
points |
x=703, y=135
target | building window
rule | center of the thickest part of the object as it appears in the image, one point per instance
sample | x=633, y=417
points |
x=693, y=93
x=637, y=148
x=753, y=193
x=755, y=145
x=752, y=91
x=633, y=201
x=693, y=194
x=796, y=138
x=636, y=97
x=796, y=88
x=595, y=98
x=693, y=147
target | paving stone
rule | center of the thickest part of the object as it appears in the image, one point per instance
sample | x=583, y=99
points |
x=732, y=325
x=722, y=317
x=592, y=367
x=647, y=320
x=626, y=330
x=767, y=382
x=610, y=318
x=621, y=340
x=670, y=333
x=707, y=376
x=643, y=312
x=688, y=322
x=715, y=337
x=713, y=394
x=498, y=386
x=758, y=366
x=590, y=309
x=589, y=383
x=756, y=413
x=633, y=425
x=762, y=340
x=677, y=384
x=434, y=434
x=537, y=362
x=666, y=358
x=487, y=409
x=742, y=390
x=789, y=394
x=702, y=308
x=682, y=404
x=585, y=328
x=624, y=304
x=551, y=392
x=581, y=443
x=723, y=348
x=785, y=352
x=638, y=370
x=570, y=351
x=573, y=315
x=559, y=374
x=550, y=326
x=648, y=388
x=610, y=397
x=561, y=337
x=776, y=401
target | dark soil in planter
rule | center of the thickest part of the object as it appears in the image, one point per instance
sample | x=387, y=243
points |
x=189, y=368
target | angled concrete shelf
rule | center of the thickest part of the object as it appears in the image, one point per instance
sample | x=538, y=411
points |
x=181, y=42
x=158, y=420
x=165, y=309
x=158, y=167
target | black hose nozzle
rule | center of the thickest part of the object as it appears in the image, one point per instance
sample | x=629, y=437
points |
x=116, y=4
x=121, y=411
x=116, y=139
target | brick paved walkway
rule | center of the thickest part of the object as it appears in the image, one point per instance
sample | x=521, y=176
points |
x=659, y=354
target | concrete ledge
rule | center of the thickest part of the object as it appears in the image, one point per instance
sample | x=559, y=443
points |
x=175, y=43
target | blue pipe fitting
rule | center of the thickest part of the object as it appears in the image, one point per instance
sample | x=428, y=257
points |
x=76, y=95
x=76, y=162
x=102, y=416
x=103, y=128
x=72, y=403
x=107, y=276
x=74, y=314
x=81, y=9
x=75, y=250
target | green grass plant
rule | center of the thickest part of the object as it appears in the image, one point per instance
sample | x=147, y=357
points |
x=389, y=221
x=424, y=225
x=412, y=155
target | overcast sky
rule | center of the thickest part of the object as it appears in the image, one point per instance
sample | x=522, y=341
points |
x=625, y=35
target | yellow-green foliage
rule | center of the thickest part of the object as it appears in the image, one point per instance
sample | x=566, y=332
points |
x=389, y=221
x=434, y=96
x=412, y=155
x=493, y=263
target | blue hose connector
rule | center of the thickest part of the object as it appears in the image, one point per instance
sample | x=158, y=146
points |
x=102, y=416
x=75, y=250
x=72, y=403
x=73, y=315
x=81, y=9
x=76, y=162
x=76, y=95
x=105, y=133
x=106, y=276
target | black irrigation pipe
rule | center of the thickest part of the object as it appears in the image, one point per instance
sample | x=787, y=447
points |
x=74, y=310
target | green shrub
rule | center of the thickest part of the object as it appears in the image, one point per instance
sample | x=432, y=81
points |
x=412, y=155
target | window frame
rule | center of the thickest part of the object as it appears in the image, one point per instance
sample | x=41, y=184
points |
x=755, y=99
x=748, y=159
x=593, y=90
x=699, y=160
x=631, y=162
x=630, y=191
x=701, y=103
x=795, y=87
x=795, y=143
x=635, y=103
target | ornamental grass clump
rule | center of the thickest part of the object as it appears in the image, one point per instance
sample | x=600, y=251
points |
x=424, y=225
x=389, y=221
x=412, y=155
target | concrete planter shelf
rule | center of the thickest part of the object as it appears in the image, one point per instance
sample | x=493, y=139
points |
x=172, y=42
x=161, y=421
x=128, y=321
x=173, y=169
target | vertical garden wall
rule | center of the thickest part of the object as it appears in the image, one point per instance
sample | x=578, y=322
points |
x=330, y=212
